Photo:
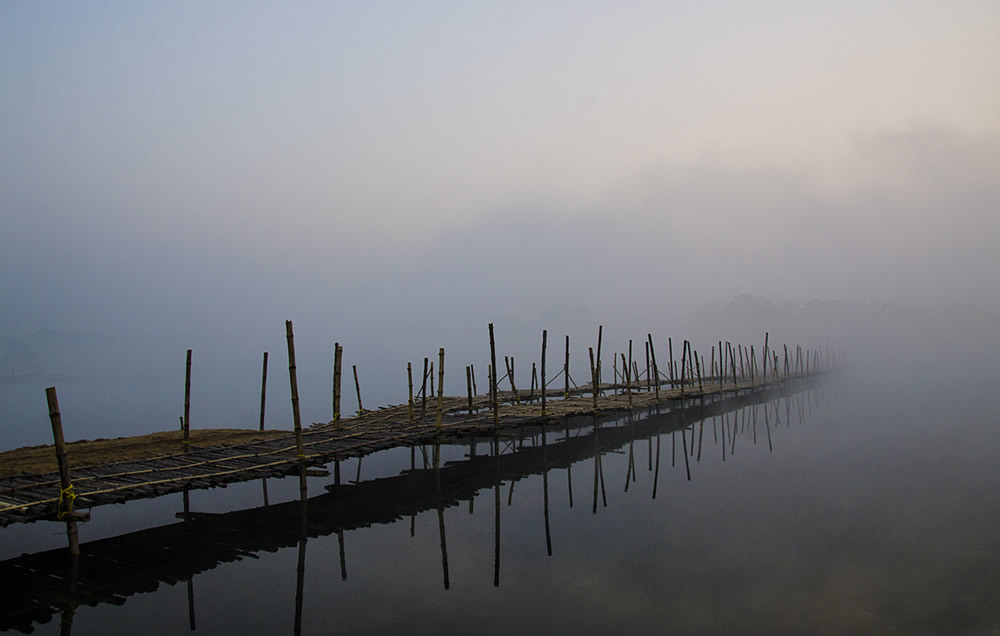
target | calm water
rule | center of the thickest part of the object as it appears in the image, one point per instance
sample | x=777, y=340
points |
x=863, y=504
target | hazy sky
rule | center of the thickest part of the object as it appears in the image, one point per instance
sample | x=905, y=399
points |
x=198, y=166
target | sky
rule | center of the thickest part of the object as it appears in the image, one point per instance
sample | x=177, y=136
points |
x=393, y=170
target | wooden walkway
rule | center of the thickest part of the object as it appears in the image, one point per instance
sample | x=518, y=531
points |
x=36, y=497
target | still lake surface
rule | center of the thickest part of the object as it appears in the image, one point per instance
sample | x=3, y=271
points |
x=864, y=503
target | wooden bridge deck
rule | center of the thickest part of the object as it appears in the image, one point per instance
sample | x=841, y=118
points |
x=36, y=497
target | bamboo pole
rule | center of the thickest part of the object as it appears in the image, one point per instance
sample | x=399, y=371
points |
x=409, y=401
x=338, y=366
x=545, y=335
x=697, y=364
x=493, y=378
x=440, y=409
x=593, y=376
x=510, y=377
x=743, y=373
x=263, y=391
x=534, y=382
x=648, y=377
x=472, y=370
x=423, y=391
x=357, y=388
x=468, y=383
x=656, y=370
x=187, y=402
x=627, y=373
x=631, y=377
x=294, y=385
x=66, y=494
x=600, y=337
x=722, y=370
x=670, y=348
x=683, y=365
x=764, y=375
x=732, y=363
x=614, y=370
x=566, y=371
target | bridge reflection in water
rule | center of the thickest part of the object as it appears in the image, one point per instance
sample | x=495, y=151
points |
x=110, y=570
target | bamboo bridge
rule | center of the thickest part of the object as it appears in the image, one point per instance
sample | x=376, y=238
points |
x=111, y=570
x=32, y=497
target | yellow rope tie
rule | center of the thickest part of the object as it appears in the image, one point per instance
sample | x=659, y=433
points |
x=301, y=456
x=65, y=495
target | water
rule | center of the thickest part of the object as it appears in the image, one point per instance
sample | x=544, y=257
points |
x=867, y=505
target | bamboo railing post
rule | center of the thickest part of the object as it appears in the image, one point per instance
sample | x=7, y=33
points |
x=670, y=368
x=683, y=364
x=630, y=376
x=423, y=391
x=534, y=382
x=727, y=363
x=627, y=376
x=66, y=494
x=722, y=369
x=600, y=336
x=509, y=363
x=764, y=376
x=648, y=377
x=656, y=370
x=690, y=364
x=545, y=335
x=593, y=376
x=187, y=402
x=294, y=385
x=468, y=383
x=338, y=367
x=263, y=391
x=697, y=365
x=493, y=378
x=472, y=370
x=614, y=371
x=409, y=401
x=566, y=371
x=440, y=409
x=357, y=388
x=732, y=363
x=752, y=364
x=432, y=378
x=786, y=360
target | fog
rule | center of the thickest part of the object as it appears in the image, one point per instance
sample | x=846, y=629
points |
x=394, y=178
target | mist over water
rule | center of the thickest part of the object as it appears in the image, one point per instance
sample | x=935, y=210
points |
x=861, y=502
x=395, y=178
